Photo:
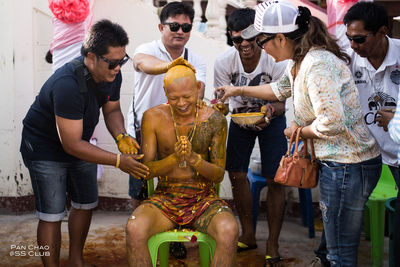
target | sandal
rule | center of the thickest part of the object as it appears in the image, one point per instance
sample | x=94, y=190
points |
x=269, y=261
x=244, y=247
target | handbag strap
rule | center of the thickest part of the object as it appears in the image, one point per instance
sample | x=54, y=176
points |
x=292, y=139
x=296, y=146
x=305, y=141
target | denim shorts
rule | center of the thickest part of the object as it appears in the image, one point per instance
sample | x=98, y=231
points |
x=52, y=181
x=272, y=141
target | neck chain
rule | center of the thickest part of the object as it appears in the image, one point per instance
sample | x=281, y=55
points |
x=190, y=134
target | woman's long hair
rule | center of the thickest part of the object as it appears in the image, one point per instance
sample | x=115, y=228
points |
x=313, y=33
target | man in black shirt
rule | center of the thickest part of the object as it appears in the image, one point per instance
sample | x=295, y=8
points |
x=55, y=139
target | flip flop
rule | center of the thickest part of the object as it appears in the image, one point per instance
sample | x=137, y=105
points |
x=271, y=261
x=243, y=247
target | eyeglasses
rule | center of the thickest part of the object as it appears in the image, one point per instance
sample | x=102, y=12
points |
x=239, y=40
x=360, y=39
x=174, y=26
x=113, y=64
x=263, y=42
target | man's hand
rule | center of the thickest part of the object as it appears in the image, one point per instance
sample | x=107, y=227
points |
x=129, y=164
x=288, y=131
x=180, y=61
x=384, y=119
x=128, y=145
x=268, y=111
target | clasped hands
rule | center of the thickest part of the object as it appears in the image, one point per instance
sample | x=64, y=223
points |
x=183, y=150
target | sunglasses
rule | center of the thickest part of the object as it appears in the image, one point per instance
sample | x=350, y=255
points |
x=239, y=40
x=174, y=26
x=113, y=64
x=360, y=39
x=263, y=42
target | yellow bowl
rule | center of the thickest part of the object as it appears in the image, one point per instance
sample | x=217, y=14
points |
x=247, y=119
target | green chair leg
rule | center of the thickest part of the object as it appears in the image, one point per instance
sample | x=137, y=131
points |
x=163, y=251
x=377, y=229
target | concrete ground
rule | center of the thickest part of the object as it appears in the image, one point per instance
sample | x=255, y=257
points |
x=105, y=246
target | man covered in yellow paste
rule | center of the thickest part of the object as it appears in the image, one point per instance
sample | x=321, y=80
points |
x=189, y=143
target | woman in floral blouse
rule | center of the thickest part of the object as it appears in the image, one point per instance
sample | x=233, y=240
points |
x=326, y=102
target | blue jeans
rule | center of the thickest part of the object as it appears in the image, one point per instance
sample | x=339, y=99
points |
x=396, y=221
x=52, y=180
x=345, y=189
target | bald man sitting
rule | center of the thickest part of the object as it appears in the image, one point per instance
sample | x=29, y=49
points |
x=189, y=142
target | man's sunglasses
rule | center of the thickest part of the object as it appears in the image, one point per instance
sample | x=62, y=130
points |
x=239, y=40
x=263, y=42
x=113, y=64
x=360, y=39
x=174, y=26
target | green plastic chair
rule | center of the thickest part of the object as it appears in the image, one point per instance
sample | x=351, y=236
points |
x=159, y=243
x=374, y=215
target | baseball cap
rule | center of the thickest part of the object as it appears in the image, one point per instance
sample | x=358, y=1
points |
x=273, y=17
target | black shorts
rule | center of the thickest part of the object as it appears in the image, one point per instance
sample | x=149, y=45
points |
x=272, y=141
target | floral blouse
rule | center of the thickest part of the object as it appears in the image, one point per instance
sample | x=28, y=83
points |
x=325, y=96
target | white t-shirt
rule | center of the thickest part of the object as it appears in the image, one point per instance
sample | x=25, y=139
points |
x=378, y=89
x=149, y=89
x=228, y=69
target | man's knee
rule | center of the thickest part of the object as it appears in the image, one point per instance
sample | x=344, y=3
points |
x=227, y=230
x=137, y=231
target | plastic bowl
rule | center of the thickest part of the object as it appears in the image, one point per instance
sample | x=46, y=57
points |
x=247, y=119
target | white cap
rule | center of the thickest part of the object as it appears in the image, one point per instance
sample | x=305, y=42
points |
x=273, y=17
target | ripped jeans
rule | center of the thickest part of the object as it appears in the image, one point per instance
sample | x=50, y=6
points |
x=345, y=189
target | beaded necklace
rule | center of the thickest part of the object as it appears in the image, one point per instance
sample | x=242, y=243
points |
x=190, y=135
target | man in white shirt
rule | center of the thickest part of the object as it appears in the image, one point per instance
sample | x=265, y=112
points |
x=376, y=70
x=151, y=61
x=245, y=64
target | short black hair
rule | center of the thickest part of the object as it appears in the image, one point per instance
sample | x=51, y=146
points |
x=240, y=19
x=101, y=36
x=176, y=8
x=373, y=15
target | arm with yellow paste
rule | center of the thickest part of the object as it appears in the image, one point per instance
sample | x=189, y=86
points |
x=153, y=65
x=214, y=169
x=149, y=147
